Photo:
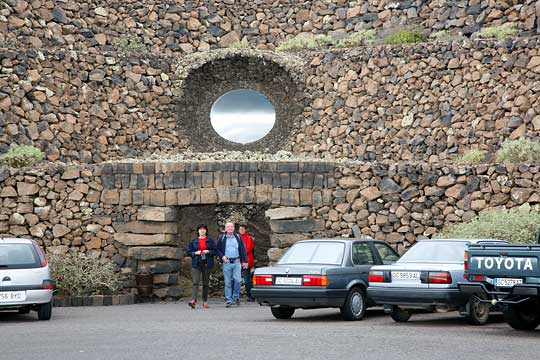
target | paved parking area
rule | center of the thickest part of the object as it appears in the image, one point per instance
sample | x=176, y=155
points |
x=174, y=331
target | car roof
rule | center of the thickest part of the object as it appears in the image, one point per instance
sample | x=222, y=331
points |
x=472, y=241
x=15, y=241
x=342, y=239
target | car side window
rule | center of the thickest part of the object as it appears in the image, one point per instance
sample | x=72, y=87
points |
x=361, y=254
x=388, y=255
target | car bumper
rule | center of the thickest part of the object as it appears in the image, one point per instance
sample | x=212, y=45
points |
x=511, y=295
x=300, y=298
x=417, y=297
x=33, y=297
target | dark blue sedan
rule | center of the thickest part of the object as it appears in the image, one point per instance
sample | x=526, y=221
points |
x=322, y=273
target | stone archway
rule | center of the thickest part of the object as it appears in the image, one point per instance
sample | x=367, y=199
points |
x=202, y=79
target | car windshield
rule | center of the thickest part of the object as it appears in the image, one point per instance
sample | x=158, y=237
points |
x=323, y=252
x=18, y=256
x=435, y=251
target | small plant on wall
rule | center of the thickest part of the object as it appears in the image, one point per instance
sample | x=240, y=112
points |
x=362, y=37
x=21, y=155
x=405, y=36
x=472, y=156
x=498, y=31
x=130, y=44
x=522, y=150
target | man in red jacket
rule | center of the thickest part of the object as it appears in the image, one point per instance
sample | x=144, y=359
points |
x=250, y=250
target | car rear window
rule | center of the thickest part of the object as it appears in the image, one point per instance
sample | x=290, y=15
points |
x=18, y=256
x=314, y=253
x=435, y=251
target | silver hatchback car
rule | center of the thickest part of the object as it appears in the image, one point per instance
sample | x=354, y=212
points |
x=25, y=280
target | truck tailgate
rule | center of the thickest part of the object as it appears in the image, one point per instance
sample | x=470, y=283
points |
x=504, y=260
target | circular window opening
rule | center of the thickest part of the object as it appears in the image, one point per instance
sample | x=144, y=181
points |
x=242, y=116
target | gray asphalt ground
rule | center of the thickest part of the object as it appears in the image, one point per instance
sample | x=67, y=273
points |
x=175, y=331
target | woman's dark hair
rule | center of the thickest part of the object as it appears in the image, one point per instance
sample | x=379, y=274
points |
x=202, y=226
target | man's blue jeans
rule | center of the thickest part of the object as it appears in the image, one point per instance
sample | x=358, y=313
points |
x=232, y=271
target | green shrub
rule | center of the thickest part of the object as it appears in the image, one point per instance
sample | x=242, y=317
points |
x=358, y=38
x=517, y=225
x=305, y=42
x=472, y=157
x=498, y=31
x=522, y=150
x=77, y=274
x=240, y=45
x=21, y=155
x=405, y=36
x=130, y=44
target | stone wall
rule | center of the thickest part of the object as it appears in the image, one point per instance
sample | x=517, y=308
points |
x=128, y=212
x=424, y=102
x=401, y=202
x=191, y=26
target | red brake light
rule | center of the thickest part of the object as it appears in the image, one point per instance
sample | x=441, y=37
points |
x=262, y=280
x=442, y=277
x=47, y=287
x=478, y=278
x=41, y=254
x=377, y=276
x=466, y=261
x=315, y=280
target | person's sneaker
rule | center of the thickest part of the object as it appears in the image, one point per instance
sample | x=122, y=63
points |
x=228, y=305
x=193, y=304
x=237, y=302
x=205, y=305
x=251, y=300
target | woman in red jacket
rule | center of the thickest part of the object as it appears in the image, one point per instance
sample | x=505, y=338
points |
x=250, y=250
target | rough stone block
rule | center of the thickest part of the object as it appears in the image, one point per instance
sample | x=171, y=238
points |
x=290, y=197
x=111, y=197
x=297, y=226
x=143, y=240
x=171, y=291
x=159, y=266
x=151, y=213
x=183, y=196
x=154, y=252
x=147, y=227
x=285, y=240
x=287, y=213
x=209, y=196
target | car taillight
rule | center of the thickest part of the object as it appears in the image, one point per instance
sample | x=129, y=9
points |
x=41, y=254
x=439, y=277
x=477, y=278
x=47, y=285
x=378, y=276
x=465, y=261
x=260, y=280
x=315, y=280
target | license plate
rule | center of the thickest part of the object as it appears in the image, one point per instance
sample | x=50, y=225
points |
x=405, y=275
x=12, y=296
x=288, y=281
x=507, y=282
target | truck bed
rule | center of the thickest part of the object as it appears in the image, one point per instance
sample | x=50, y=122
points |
x=504, y=260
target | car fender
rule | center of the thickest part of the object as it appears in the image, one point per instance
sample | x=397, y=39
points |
x=357, y=282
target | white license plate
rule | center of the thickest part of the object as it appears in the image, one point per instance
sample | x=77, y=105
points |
x=405, y=275
x=288, y=281
x=12, y=296
x=507, y=282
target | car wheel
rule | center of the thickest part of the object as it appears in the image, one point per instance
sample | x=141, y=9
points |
x=45, y=311
x=523, y=316
x=477, y=311
x=24, y=310
x=399, y=315
x=355, y=305
x=282, y=312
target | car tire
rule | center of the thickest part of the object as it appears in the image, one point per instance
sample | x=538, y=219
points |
x=399, y=315
x=45, y=311
x=24, y=311
x=282, y=313
x=477, y=312
x=354, y=307
x=523, y=316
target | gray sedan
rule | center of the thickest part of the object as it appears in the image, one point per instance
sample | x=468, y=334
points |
x=425, y=278
x=321, y=273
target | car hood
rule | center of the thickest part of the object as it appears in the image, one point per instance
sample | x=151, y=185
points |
x=293, y=269
x=419, y=266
